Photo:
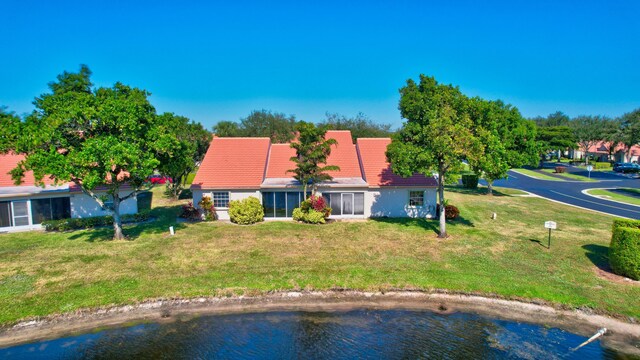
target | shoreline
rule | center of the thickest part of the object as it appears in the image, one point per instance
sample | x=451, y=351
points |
x=620, y=334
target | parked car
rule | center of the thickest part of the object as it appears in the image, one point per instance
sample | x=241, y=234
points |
x=159, y=179
x=626, y=168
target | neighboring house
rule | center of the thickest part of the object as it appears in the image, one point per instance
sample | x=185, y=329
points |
x=601, y=152
x=25, y=206
x=236, y=168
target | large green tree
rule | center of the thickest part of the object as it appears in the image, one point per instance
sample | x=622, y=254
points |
x=588, y=131
x=360, y=126
x=630, y=130
x=263, y=123
x=508, y=140
x=101, y=139
x=437, y=135
x=191, y=144
x=554, y=138
x=312, y=151
x=558, y=118
x=10, y=126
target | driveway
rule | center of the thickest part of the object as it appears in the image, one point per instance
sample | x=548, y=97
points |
x=570, y=192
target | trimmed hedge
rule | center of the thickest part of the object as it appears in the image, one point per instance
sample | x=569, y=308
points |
x=470, y=181
x=602, y=165
x=92, y=222
x=560, y=169
x=246, y=211
x=624, y=251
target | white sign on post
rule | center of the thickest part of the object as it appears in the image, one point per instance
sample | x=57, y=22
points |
x=589, y=168
x=550, y=225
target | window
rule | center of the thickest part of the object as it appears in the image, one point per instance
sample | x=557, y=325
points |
x=20, y=213
x=345, y=203
x=50, y=209
x=280, y=204
x=5, y=214
x=220, y=199
x=416, y=198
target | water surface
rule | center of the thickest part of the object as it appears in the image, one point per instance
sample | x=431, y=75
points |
x=363, y=334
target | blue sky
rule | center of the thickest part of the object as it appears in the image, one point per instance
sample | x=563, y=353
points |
x=218, y=61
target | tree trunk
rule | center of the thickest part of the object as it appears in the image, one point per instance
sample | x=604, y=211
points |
x=443, y=219
x=117, y=221
x=489, y=187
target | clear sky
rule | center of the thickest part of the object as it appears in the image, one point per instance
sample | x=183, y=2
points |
x=218, y=61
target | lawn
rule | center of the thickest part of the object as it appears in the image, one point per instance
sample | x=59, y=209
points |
x=569, y=176
x=42, y=273
x=626, y=195
x=536, y=174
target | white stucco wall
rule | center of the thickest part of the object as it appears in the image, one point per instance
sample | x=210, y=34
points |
x=394, y=202
x=83, y=206
x=223, y=213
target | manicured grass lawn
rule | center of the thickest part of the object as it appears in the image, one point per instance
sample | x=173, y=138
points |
x=630, y=196
x=569, y=176
x=537, y=175
x=43, y=273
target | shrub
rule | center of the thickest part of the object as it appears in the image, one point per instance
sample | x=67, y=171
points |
x=246, y=211
x=560, y=169
x=208, y=211
x=310, y=217
x=624, y=251
x=311, y=208
x=602, y=165
x=92, y=222
x=450, y=212
x=470, y=181
x=190, y=212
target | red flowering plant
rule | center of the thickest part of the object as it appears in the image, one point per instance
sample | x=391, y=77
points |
x=190, y=212
x=317, y=203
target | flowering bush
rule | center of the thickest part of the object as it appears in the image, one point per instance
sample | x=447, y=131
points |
x=190, y=212
x=208, y=211
x=313, y=210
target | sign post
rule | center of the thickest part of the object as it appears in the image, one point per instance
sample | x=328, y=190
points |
x=549, y=225
x=589, y=169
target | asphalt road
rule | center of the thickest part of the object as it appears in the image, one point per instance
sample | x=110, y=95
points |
x=570, y=192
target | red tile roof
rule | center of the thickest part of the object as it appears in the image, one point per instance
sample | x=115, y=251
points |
x=233, y=163
x=377, y=170
x=279, y=161
x=602, y=147
x=8, y=162
x=344, y=155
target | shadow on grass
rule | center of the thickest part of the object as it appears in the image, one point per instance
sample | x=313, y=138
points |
x=479, y=191
x=599, y=256
x=544, y=245
x=164, y=217
x=429, y=225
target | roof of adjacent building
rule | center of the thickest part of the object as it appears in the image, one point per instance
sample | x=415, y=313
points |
x=9, y=162
x=603, y=148
x=377, y=170
x=253, y=163
x=233, y=163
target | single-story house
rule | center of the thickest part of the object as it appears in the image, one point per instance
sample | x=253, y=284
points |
x=601, y=152
x=26, y=206
x=236, y=168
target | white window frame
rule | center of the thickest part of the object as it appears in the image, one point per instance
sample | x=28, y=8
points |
x=13, y=213
x=213, y=199
x=422, y=192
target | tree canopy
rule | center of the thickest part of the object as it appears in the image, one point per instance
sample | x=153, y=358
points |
x=630, y=129
x=360, y=126
x=105, y=138
x=263, y=123
x=437, y=136
x=312, y=151
x=192, y=142
x=588, y=131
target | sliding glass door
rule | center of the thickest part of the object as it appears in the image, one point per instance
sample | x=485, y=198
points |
x=280, y=204
x=345, y=204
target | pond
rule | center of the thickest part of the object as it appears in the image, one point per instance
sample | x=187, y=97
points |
x=388, y=334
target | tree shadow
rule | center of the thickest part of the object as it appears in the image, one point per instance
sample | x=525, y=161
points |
x=599, y=256
x=429, y=225
x=478, y=191
x=163, y=217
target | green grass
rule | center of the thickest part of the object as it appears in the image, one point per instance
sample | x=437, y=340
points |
x=41, y=274
x=536, y=174
x=625, y=195
x=569, y=176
